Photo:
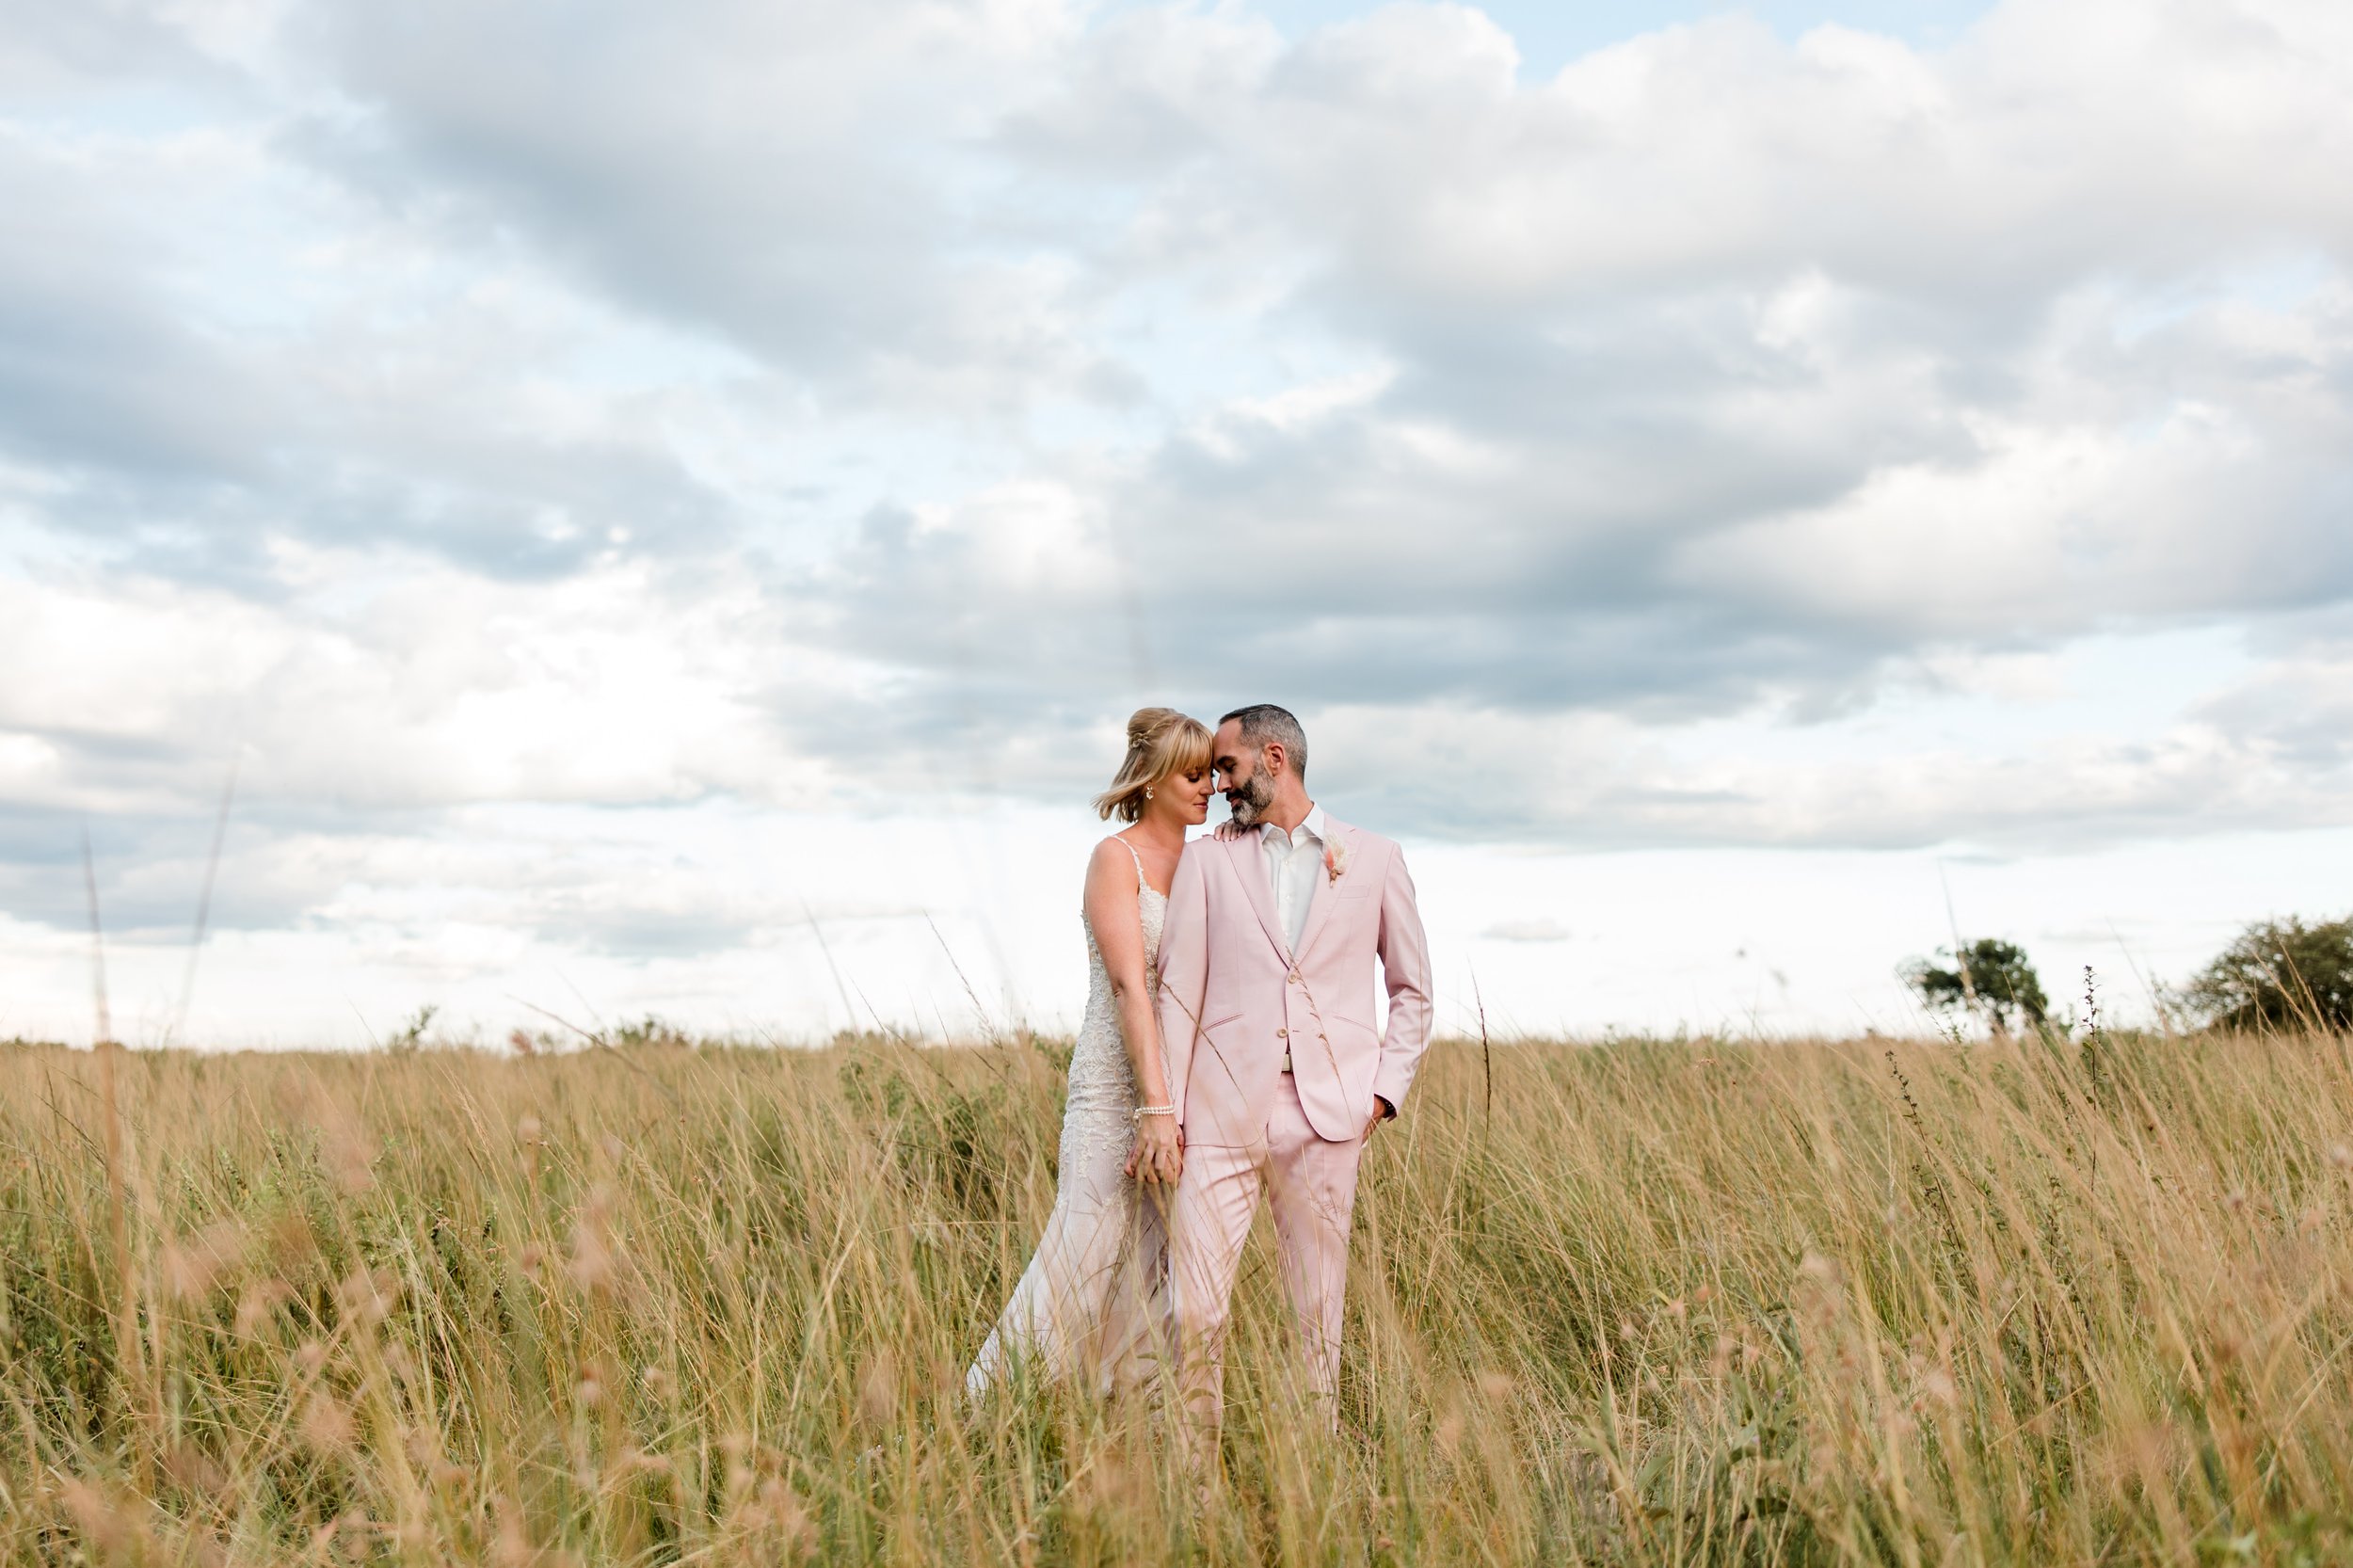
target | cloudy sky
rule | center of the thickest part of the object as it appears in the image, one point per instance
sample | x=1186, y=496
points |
x=665, y=506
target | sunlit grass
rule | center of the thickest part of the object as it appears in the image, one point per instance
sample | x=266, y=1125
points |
x=1793, y=1302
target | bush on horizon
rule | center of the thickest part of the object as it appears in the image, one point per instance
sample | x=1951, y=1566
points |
x=1993, y=974
x=2279, y=975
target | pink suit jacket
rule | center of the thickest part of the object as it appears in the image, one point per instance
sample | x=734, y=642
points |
x=1233, y=996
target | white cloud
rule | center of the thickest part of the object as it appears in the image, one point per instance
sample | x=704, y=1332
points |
x=393, y=688
x=1726, y=441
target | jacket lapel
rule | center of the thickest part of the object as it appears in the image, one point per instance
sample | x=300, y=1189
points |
x=1320, y=907
x=1247, y=855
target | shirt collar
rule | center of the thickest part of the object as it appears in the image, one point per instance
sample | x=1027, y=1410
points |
x=1312, y=827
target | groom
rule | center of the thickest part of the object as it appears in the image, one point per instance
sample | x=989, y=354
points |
x=1275, y=1066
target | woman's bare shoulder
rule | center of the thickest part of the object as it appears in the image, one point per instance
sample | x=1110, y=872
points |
x=1112, y=854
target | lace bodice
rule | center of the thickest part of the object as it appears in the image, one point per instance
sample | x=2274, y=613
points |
x=1102, y=1015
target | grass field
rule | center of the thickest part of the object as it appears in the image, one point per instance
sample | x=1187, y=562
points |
x=1809, y=1303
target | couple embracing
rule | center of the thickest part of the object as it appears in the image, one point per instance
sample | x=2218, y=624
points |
x=1228, y=1047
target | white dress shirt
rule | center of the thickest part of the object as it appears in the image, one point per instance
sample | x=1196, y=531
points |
x=1294, y=864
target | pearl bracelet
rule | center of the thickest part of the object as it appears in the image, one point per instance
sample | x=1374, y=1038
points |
x=1143, y=1110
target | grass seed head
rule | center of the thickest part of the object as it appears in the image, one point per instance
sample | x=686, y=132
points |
x=260, y=1302
x=366, y=1295
x=194, y=1265
x=878, y=1388
x=594, y=1255
x=327, y=1425
x=106, y=1521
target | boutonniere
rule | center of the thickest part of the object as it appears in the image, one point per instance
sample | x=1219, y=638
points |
x=1334, y=858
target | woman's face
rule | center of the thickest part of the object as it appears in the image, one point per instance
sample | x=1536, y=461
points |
x=1185, y=795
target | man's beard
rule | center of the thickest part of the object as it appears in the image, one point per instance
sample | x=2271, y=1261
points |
x=1257, y=794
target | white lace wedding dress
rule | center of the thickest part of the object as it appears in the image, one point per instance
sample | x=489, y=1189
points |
x=1094, y=1301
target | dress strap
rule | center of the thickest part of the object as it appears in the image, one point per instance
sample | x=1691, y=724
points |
x=1140, y=879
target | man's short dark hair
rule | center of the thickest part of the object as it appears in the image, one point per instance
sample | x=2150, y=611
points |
x=1262, y=722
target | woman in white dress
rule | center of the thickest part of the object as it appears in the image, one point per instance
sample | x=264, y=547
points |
x=1093, y=1304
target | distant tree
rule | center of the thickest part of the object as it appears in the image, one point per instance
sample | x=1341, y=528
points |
x=412, y=1034
x=651, y=1030
x=1997, y=974
x=2281, y=975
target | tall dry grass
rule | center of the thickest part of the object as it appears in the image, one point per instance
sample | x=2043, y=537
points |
x=1800, y=1303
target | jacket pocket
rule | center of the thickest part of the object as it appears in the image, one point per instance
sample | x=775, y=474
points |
x=1222, y=1021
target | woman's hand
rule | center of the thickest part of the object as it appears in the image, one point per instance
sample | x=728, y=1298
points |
x=1159, y=1154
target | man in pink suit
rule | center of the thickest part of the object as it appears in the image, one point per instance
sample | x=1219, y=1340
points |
x=1275, y=1066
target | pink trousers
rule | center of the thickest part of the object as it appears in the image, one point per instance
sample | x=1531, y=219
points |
x=1311, y=1186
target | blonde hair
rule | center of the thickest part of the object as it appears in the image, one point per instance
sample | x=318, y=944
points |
x=1161, y=741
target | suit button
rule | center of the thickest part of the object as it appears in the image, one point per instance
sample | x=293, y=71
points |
x=1294, y=977
x=1281, y=1034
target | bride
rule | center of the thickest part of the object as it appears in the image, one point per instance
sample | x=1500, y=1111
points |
x=1093, y=1301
